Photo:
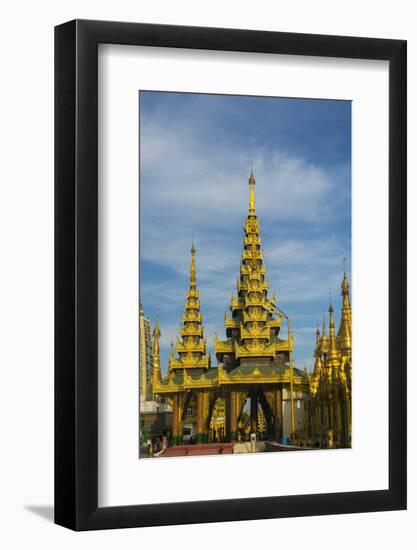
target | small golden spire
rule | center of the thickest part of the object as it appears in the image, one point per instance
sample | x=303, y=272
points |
x=251, y=193
x=345, y=291
x=317, y=354
x=333, y=356
x=192, y=266
x=317, y=338
x=156, y=357
x=191, y=348
x=156, y=333
x=324, y=343
x=344, y=334
x=345, y=286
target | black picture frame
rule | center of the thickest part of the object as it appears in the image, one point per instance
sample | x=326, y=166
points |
x=76, y=272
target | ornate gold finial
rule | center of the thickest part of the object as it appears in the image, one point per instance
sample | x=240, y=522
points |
x=156, y=357
x=324, y=343
x=156, y=330
x=192, y=266
x=333, y=356
x=344, y=334
x=345, y=282
x=345, y=286
x=317, y=337
x=251, y=193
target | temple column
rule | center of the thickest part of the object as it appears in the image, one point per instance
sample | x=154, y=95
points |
x=253, y=412
x=324, y=427
x=307, y=419
x=233, y=414
x=343, y=413
x=175, y=420
x=278, y=413
x=349, y=420
x=331, y=423
x=202, y=436
x=317, y=421
x=335, y=421
x=227, y=413
x=340, y=427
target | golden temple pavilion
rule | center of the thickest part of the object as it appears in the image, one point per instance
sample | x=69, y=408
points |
x=254, y=362
x=328, y=414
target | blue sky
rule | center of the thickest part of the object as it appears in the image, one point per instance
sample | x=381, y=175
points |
x=195, y=154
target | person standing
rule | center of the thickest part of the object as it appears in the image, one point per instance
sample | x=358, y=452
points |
x=149, y=447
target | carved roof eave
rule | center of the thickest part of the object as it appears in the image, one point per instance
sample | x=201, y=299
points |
x=190, y=347
x=258, y=332
x=202, y=363
x=269, y=350
x=189, y=383
x=260, y=378
x=191, y=319
x=186, y=331
x=224, y=379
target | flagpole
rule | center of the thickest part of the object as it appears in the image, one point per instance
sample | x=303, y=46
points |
x=291, y=372
x=291, y=383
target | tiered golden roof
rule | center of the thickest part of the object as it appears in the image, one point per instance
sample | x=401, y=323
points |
x=252, y=353
x=330, y=381
x=253, y=329
x=344, y=335
x=156, y=375
x=191, y=349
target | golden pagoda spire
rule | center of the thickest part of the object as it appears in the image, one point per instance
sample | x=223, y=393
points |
x=317, y=338
x=191, y=348
x=333, y=355
x=251, y=193
x=192, y=267
x=317, y=354
x=344, y=334
x=324, y=342
x=253, y=329
x=156, y=357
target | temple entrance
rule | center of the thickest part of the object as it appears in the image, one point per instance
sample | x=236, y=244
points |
x=251, y=420
x=256, y=413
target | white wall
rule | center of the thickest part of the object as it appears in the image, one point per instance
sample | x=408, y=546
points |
x=26, y=301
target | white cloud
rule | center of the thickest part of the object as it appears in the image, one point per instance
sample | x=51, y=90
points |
x=180, y=174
